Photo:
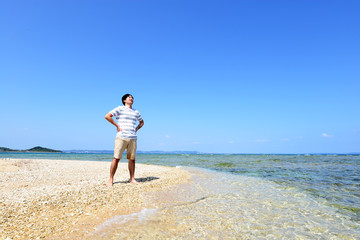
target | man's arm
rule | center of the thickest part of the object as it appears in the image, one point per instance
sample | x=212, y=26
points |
x=111, y=120
x=141, y=123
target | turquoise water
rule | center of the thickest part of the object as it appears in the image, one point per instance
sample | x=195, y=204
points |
x=329, y=184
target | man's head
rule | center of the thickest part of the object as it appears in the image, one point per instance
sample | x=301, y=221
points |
x=127, y=97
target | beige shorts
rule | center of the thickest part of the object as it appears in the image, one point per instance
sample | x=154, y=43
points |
x=121, y=144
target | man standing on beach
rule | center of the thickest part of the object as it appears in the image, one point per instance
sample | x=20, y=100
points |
x=126, y=135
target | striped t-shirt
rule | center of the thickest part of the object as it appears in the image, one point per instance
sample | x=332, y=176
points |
x=126, y=118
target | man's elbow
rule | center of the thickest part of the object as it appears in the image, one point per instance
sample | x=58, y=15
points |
x=108, y=116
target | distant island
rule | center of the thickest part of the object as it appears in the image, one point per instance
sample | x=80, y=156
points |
x=34, y=149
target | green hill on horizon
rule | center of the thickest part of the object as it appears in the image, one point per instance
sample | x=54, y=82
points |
x=34, y=149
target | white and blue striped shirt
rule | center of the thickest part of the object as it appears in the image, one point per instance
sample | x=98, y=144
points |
x=126, y=118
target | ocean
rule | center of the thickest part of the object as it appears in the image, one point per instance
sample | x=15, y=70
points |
x=239, y=196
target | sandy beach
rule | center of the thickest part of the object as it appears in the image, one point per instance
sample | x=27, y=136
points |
x=63, y=199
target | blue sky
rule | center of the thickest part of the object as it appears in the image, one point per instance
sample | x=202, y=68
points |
x=210, y=76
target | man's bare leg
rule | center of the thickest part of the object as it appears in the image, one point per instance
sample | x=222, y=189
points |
x=132, y=171
x=113, y=168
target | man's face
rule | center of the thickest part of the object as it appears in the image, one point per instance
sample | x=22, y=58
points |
x=129, y=100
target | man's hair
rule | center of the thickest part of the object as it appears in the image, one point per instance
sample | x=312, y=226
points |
x=125, y=96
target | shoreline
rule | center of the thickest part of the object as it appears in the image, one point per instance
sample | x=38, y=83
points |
x=67, y=199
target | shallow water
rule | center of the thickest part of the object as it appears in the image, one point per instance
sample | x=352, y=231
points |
x=223, y=206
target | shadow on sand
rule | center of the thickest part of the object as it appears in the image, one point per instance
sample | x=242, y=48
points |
x=142, y=180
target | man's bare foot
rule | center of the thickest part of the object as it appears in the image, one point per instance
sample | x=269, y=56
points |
x=134, y=182
x=109, y=184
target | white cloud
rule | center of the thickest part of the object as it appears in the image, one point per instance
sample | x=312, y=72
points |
x=326, y=135
x=285, y=139
x=167, y=136
x=231, y=142
x=196, y=142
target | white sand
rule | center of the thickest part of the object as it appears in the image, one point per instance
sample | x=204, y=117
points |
x=63, y=199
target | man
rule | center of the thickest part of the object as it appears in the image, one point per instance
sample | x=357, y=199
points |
x=126, y=135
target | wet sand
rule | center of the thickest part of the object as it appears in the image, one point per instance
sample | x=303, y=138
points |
x=63, y=199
